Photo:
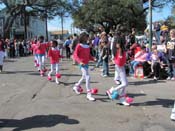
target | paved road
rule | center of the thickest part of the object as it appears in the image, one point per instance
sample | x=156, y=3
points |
x=29, y=102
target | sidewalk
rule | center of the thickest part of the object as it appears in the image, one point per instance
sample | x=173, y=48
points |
x=30, y=102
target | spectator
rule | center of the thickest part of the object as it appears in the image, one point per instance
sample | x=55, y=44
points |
x=67, y=46
x=171, y=55
x=139, y=58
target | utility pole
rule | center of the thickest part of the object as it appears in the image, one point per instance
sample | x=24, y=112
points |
x=46, y=24
x=62, y=28
x=150, y=24
x=25, y=24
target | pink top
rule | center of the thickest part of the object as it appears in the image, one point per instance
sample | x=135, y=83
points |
x=41, y=47
x=82, y=54
x=120, y=60
x=140, y=56
x=54, y=55
x=33, y=48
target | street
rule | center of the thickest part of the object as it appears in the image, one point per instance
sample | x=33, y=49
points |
x=29, y=102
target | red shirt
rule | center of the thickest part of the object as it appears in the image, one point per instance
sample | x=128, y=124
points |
x=120, y=60
x=41, y=48
x=82, y=54
x=54, y=55
x=34, y=48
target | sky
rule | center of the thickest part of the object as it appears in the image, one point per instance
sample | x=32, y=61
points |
x=158, y=14
x=55, y=24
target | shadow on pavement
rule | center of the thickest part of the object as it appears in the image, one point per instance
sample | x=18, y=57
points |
x=9, y=60
x=135, y=95
x=73, y=83
x=106, y=99
x=38, y=121
x=71, y=75
x=16, y=72
x=162, y=102
x=141, y=82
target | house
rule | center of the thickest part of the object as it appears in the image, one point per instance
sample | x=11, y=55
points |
x=58, y=34
x=35, y=26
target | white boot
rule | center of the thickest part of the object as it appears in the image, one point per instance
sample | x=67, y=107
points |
x=173, y=114
x=109, y=92
x=123, y=101
x=75, y=88
x=89, y=97
x=56, y=80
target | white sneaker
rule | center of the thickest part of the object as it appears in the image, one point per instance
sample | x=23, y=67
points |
x=173, y=115
x=103, y=75
x=75, y=88
x=89, y=97
x=172, y=78
x=155, y=78
x=123, y=101
x=169, y=78
x=109, y=94
x=57, y=82
x=117, y=82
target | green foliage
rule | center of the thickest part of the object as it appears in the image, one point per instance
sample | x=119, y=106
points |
x=109, y=15
x=39, y=8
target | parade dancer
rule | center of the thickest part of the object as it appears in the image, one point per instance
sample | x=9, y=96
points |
x=120, y=74
x=41, y=51
x=33, y=48
x=82, y=56
x=54, y=55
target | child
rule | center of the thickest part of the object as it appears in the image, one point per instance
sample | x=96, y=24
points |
x=105, y=57
x=54, y=55
x=120, y=74
x=82, y=56
x=33, y=48
x=171, y=55
x=2, y=54
x=155, y=64
x=41, y=51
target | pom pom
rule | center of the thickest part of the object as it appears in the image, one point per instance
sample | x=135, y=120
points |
x=129, y=99
x=80, y=89
x=58, y=75
x=114, y=95
x=49, y=78
x=94, y=91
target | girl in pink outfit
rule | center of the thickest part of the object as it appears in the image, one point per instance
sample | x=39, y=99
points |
x=54, y=55
x=82, y=56
x=120, y=74
x=33, y=48
x=41, y=47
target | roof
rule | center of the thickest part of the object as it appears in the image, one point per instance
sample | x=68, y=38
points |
x=59, y=32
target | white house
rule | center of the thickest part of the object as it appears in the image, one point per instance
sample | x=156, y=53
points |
x=35, y=26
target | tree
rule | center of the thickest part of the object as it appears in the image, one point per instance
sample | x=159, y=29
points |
x=109, y=14
x=128, y=13
x=44, y=9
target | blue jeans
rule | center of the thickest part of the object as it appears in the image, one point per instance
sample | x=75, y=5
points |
x=171, y=69
x=99, y=62
x=105, y=68
x=133, y=66
x=157, y=34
